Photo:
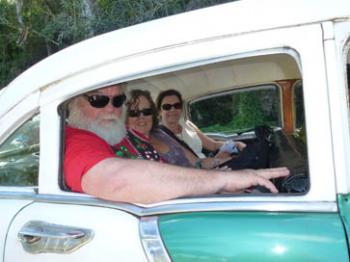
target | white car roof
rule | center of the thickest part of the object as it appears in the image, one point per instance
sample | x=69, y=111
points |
x=219, y=21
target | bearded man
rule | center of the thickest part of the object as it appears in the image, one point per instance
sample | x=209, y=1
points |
x=95, y=124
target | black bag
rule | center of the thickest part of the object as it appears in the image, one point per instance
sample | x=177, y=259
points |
x=296, y=182
x=256, y=154
x=290, y=152
x=275, y=149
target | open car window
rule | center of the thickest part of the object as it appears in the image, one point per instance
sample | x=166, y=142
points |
x=229, y=99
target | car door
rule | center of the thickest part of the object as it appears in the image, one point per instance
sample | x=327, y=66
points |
x=48, y=230
x=288, y=227
x=254, y=236
x=9, y=208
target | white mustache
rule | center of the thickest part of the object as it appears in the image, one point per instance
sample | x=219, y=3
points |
x=108, y=117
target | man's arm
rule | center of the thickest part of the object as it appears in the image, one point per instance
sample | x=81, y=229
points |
x=141, y=181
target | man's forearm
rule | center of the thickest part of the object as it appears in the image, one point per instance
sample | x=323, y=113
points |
x=146, y=181
x=142, y=181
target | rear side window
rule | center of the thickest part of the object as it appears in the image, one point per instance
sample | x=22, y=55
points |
x=19, y=156
x=238, y=110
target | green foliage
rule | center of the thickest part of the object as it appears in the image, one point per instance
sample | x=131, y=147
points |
x=250, y=113
x=202, y=112
x=20, y=167
x=32, y=30
x=238, y=111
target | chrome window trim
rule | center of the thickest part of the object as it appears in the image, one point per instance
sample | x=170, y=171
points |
x=196, y=205
x=152, y=241
x=322, y=207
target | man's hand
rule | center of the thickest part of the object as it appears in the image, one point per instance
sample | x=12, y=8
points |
x=239, y=180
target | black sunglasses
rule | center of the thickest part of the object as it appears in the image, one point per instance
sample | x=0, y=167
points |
x=101, y=101
x=167, y=107
x=137, y=113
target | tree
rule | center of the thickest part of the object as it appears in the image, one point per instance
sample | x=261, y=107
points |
x=250, y=112
x=32, y=30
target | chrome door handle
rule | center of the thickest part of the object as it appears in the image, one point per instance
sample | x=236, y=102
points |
x=41, y=237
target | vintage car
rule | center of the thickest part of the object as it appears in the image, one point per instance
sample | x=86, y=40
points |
x=238, y=65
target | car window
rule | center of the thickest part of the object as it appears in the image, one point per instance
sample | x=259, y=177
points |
x=237, y=111
x=251, y=99
x=19, y=156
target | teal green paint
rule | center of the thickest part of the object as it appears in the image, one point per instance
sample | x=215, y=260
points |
x=254, y=236
x=344, y=210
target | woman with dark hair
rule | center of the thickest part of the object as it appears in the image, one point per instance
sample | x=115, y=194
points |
x=169, y=105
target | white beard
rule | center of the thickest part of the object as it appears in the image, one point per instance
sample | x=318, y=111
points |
x=112, y=133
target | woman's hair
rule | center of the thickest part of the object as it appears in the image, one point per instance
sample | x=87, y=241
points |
x=134, y=99
x=169, y=92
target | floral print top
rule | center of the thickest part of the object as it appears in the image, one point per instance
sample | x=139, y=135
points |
x=136, y=146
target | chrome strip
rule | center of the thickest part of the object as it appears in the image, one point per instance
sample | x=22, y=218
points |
x=151, y=240
x=78, y=199
x=181, y=205
x=280, y=206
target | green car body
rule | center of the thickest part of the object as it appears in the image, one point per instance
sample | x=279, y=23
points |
x=255, y=236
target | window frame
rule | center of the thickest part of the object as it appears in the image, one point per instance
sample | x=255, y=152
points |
x=295, y=86
x=232, y=48
x=336, y=51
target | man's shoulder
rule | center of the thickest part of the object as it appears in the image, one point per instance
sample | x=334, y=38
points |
x=77, y=133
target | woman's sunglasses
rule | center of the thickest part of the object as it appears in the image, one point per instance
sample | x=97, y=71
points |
x=101, y=101
x=167, y=107
x=137, y=113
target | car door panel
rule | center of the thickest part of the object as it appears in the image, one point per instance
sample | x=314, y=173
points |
x=114, y=234
x=254, y=236
x=12, y=207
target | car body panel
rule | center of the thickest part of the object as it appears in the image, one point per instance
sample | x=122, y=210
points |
x=19, y=114
x=254, y=236
x=344, y=211
x=337, y=55
x=115, y=233
x=12, y=207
